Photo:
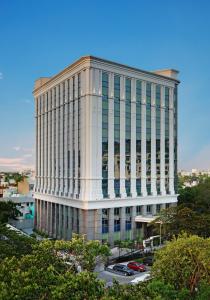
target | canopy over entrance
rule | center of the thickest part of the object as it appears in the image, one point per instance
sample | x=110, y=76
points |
x=143, y=219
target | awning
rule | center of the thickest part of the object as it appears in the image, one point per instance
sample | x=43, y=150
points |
x=143, y=219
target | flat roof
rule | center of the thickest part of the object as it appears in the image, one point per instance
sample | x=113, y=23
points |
x=91, y=57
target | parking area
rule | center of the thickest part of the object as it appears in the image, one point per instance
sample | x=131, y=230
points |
x=108, y=275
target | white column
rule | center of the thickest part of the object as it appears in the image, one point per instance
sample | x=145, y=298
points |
x=69, y=231
x=122, y=223
x=143, y=141
x=38, y=146
x=57, y=142
x=171, y=141
x=45, y=142
x=51, y=220
x=71, y=138
x=162, y=143
x=82, y=135
x=61, y=133
x=49, y=113
x=133, y=222
x=66, y=140
x=53, y=143
x=76, y=136
x=96, y=134
x=122, y=137
x=153, y=143
x=55, y=221
x=111, y=192
x=42, y=143
x=92, y=129
x=133, y=138
x=36, y=120
x=111, y=225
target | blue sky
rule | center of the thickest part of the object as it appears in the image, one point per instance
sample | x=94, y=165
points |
x=39, y=38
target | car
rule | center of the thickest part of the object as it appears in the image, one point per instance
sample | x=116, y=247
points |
x=136, y=266
x=148, y=260
x=123, y=269
x=142, y=278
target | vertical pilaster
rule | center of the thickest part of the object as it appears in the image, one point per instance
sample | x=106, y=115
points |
x=69, y=224
x=154, y=209
x=60, y=223
x=171, y=142
x=162, y=143
x=98, y=224
x=45, y=141
x=75, y=219
x=51, y=220
x=81, y=221
x=122, y=223
x=49, y=135
x=153, y=143
x=55, y=221
x=143, y=141
x=96, y=134
x=111, y=226
x=61, y=133
x=47, y=217
x=111, y=192
x=40, y=214
x=76, y=137
x=133, y=222
x=64, y=232
x=122, y=137
x=38, y=144
x=53, y=142
x=42, y=143
x=133, y=138
x=144, y=210
x=83, y=135
x=57, y=163
x=71, y=133
x=66, y=140
x=90, y=225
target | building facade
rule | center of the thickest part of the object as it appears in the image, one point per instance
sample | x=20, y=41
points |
x=106, y=149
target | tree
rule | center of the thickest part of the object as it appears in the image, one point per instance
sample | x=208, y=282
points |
x=183, y=262
x=7, y=210
x=174, y=220
x=44, y=275
x=85, y=253
x=14, y=244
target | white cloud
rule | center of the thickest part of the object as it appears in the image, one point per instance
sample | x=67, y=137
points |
x=1, y=75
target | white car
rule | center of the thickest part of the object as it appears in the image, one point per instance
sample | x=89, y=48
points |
x=143, y=277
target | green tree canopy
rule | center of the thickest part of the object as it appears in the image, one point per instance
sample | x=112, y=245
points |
x=7, y=210
x=183, y=262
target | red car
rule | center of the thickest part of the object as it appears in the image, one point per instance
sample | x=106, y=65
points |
x=136, y=266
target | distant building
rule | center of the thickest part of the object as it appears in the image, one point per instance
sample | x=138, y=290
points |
x=106, y=149
x=21, y=194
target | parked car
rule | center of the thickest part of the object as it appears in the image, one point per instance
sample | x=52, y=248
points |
x=143, y=277
x=148, y=260
x=123, y=269
x=136, y=266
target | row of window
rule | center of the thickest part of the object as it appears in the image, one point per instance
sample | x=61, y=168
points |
x=105, y=126
x=128, y=214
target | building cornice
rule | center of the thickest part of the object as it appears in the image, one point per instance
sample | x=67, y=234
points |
x=86, y=61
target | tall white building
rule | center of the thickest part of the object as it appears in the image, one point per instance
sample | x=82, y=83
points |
x=106, y=149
